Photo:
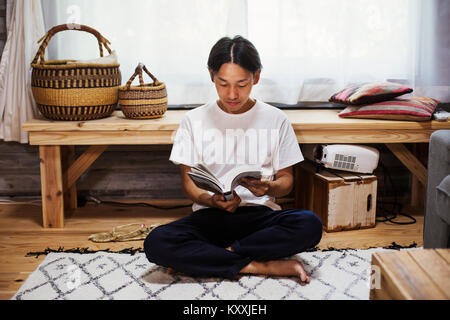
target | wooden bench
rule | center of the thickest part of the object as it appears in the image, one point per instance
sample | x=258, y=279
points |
x=60, y=170
x=411, y=275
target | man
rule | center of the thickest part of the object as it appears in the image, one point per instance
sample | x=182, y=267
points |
x=249, y=234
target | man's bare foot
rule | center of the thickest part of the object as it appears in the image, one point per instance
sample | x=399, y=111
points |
x=278, y=268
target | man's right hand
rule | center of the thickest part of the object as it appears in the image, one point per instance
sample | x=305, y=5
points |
x=218, y=201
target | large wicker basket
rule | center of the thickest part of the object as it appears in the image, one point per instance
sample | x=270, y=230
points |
x=74, y=91
x=145, y=101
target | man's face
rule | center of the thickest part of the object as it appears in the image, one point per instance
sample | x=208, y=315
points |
x=234, y=84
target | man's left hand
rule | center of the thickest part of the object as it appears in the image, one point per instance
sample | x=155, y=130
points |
x=257, y=187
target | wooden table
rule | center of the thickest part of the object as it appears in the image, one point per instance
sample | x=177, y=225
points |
x=60, y=170
x=411, y=275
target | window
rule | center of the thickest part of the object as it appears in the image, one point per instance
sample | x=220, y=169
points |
x=309, y=49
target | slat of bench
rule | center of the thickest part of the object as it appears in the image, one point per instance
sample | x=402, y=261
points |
x=165, y=137
x=436, y=267
x=310, y=120
x=403, y=278
x=101, y=138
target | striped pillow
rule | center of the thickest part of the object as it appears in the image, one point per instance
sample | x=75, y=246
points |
x=416, y=109
x=369, y=93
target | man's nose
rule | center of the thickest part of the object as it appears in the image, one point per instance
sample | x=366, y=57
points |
x=232, y=93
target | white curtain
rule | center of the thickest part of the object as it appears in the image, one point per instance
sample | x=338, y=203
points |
x=309, y=49
x=432, y=65
x=172, y=38
x=25, y=25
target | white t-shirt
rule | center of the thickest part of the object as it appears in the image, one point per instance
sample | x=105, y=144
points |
x=261, y=136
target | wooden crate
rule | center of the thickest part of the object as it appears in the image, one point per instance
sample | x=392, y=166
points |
x=411, y=275
x=345, y=201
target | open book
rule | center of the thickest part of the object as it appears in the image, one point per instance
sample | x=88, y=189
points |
x=205, y=179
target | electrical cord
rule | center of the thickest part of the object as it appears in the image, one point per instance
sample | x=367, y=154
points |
x=137, y=204
x=396, y=209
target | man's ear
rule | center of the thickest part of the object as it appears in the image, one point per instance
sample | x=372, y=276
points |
x=256, y=77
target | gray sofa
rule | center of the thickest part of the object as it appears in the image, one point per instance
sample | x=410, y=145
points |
x=436, y=229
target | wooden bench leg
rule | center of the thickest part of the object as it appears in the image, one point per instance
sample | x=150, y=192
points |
x=70, y=195
x=418, y=189
x=51, y=187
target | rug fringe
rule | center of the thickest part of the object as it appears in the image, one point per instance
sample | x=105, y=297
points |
x=133, y=251
x=393, y=245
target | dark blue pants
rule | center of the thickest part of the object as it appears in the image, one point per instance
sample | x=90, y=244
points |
x=196, y=244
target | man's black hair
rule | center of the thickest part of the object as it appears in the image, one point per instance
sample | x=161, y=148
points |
x=237, y=50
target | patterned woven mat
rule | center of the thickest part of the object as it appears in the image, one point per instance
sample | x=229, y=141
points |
x=335, y=274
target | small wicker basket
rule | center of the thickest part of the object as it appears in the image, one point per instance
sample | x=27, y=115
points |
x=74, y=91
x=146, y=101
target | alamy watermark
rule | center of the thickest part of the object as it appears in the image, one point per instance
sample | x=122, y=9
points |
x=73, y=277
x=74, y=19
x=236, y=146
x=375, y=277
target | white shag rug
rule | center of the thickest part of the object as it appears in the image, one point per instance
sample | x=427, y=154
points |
x=335, y=275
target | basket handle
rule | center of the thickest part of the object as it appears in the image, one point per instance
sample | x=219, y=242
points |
x=102, y=41
x=138, y=71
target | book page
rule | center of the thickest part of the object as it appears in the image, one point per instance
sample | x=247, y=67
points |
x=232, y=178
x=204, y=167
x=205, y=183
x=207, y=174
x=247, y=174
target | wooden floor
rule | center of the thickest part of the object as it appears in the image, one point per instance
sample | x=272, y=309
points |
x=21, y=232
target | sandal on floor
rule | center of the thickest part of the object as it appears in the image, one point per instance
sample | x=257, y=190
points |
x=127, y=232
